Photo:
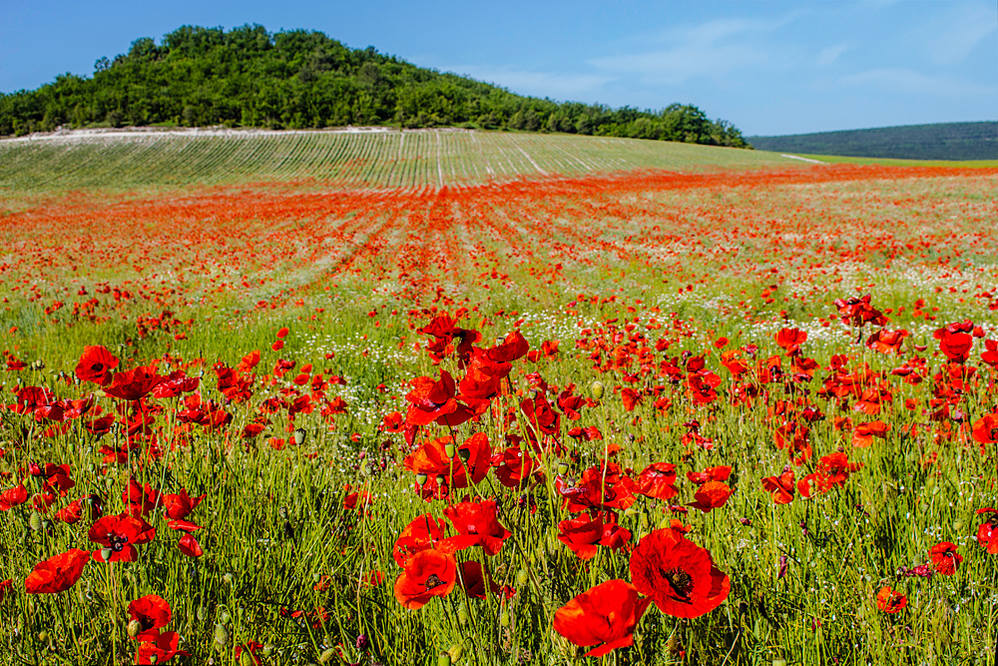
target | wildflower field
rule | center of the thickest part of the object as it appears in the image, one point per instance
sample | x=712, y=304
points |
x=473, y=398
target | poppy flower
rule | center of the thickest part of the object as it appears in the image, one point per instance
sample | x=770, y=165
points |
x=134, y=384
x=987, y=535
x=791, y=339
x=864, y=433
x=677, y=574
x=985, y=429
x=945, y=559
x=151, y=612
x=427, y=574
x=160, y=649
x=5, y=587
x=423, y=533
x=189, y=546
x=468, y=464
x=57, y=573
x=891, y=601
x=514, y=466
x=711, y=495
x=657, y=480
x=95, y=365
x=120, y=534
x=605, y=616
x=431, y=400
x=473, y=580
x=719, y=473
x=583, y=534
x=180, y=504
x=476, y=525
x=13, y=497
x=782, y=486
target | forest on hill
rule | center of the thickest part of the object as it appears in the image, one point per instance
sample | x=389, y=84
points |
x=937, y=141
x=248, y=77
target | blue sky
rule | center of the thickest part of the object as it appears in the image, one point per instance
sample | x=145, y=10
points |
x=769, y=67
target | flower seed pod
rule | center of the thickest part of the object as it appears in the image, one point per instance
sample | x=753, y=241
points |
x=562, y=468
x=221, y=636
x=134, y=627
x=449, y=449
x=299, y=436
x=596, y=390
x=522, y=577
x=420, y=479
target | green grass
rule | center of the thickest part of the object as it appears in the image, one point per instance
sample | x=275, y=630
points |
x=885, y=161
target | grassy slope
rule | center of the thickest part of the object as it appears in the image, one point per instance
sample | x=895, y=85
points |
x=392, y=159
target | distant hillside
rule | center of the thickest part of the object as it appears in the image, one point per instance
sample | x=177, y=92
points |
x=247, y=77
x=939, y=141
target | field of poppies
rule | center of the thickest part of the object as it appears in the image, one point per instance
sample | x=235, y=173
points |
x=740, y=410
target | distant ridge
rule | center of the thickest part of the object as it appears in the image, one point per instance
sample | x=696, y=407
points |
x=298, y=79
x=937, y=141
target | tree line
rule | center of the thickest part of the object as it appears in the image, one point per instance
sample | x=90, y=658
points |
x=247, y=77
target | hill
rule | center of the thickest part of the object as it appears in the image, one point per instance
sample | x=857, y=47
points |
x=938, y=141
x=373, y=157
x=247, y=77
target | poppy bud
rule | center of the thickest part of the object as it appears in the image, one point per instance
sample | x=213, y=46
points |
x=779, y=661
x=327, y=655
x=201, y=614
x=443, y=659
x=221, y=636
x=43, y=636
x=456, y=652
x=268, y=650
x=522, y=577
x=462, y=614
x=134, y=627
x=504, y=619
x=299, y=436
x=227, y=579
x=35, y=521
x=449, y=449
x=246, y=658
x=420, y=479
x=596, y=390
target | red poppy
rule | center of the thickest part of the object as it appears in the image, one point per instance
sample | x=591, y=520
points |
x=864, y=433
x=476, y=525
x=583, y=534
x=57, y=573
x=945, y=559
x=189, y=546
x=604, y=616
x=473, y=580
x=986, y=429
x=657, y=480
x=677, y=574
x=160, y=650
x=791, y=339
x=467, y=464
x=151, y=612
x=5, y=587
x=891, y=601
x=180, y=504
x=119, y=535
x=134, y=384
x=987, y=535
x=13, y=497
x=514, y=466
x=431, y=401
x=711, y=495
x=423, y=533
x=719, y=473
x=427, y=574
x=782, y=486
x=96, y=365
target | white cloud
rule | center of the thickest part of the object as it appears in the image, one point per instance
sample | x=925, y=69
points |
x=902, y=80
x=708, y=49
x=541, y=84
x=956, y=35
x=830, y=54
